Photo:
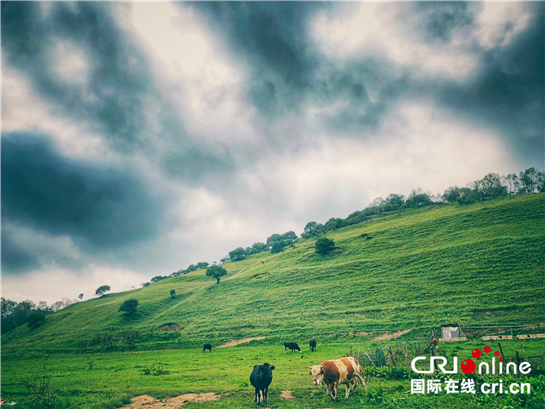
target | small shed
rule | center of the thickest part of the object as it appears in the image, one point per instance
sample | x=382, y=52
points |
x=452, y=332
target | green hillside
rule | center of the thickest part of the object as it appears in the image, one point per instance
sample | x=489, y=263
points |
x=475, y=265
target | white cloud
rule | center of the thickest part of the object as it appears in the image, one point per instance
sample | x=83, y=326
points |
x=55, y=283
x=500, y=23
x=374, y=31
x=332, y=177
x=24, y=111
x=193, y=70
x=70, y=63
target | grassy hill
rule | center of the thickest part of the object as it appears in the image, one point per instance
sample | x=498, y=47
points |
x=475, y=265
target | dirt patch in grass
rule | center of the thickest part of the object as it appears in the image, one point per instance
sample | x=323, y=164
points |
x=287, y=395
x=359, y=334
x=172, y=403
x=236, y=342
x=395, y=335
x=169, y=327
x=360, y=315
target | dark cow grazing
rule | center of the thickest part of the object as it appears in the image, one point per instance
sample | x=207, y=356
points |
x=207, y=346
x=260, y=379
x=312, y=345
x=337, y=372
x=291, y=345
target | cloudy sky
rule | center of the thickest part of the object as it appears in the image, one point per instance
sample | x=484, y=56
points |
x=139, y=138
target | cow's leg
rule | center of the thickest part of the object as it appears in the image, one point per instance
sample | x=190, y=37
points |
x=256, y=394
x=347, y=391
x=332, y=391
x=286, y=349
x=265, y=394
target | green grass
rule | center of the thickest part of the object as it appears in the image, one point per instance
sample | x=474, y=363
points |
x=116, y=377
x=481, y=264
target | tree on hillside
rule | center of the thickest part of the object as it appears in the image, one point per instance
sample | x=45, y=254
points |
x=173, y=293
x=129, y=307
x=158, y=278
x=289, y=236
x=491, y=186
x=80, y=296
x=258, y=248
x=102, y=289
x=201, y=265
x=35, y=319
x=237, y=254
x=418, y=198
x=452, y=194
x=278, y=246
x=512, y=183
x=216, y=271
x=395, y=200
x=324, y=245
x=529, y=180
x=273, y=238
x=310, y=227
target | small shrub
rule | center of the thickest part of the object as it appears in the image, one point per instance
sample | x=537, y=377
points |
x=324, y=245
x=41, y=393
x=35, y=319
x=129, y=306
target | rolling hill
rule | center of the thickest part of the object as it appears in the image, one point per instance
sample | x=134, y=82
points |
x=481, y=264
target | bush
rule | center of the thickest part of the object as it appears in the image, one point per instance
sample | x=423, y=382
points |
x=324, y=245
x=35, y=319
x=129, y=307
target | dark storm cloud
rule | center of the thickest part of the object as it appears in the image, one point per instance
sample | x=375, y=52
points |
x=101, y=208
x=288, y=71
x=508, y=95
x=118, y=78
x=273, y=39
x=116, y=100
x=14, y=258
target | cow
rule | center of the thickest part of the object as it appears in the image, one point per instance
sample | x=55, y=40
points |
x=338, y=372
x=312, y=345
x=207, y=346
x=260, y=379
x=291, y=345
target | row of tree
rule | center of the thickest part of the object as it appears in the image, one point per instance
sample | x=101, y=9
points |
x=490, y=187
x=14, y=314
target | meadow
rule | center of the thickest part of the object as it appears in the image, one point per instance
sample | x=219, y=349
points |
x=475, y=265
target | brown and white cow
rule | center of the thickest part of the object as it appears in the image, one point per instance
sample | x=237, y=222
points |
x=338, y=372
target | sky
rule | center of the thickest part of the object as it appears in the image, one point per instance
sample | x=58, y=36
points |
x=140, y=138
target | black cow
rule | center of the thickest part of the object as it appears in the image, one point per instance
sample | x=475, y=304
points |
x=207, y=346
x=260, y=379
x=291, y=345
x=312, y=344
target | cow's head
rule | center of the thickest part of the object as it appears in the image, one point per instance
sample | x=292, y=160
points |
x=265, y=370
x=317, y=372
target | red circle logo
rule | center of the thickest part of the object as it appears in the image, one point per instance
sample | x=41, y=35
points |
x=468, y=366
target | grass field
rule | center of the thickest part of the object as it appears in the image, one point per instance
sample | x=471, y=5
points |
x=109, y=380
x=481, y=264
